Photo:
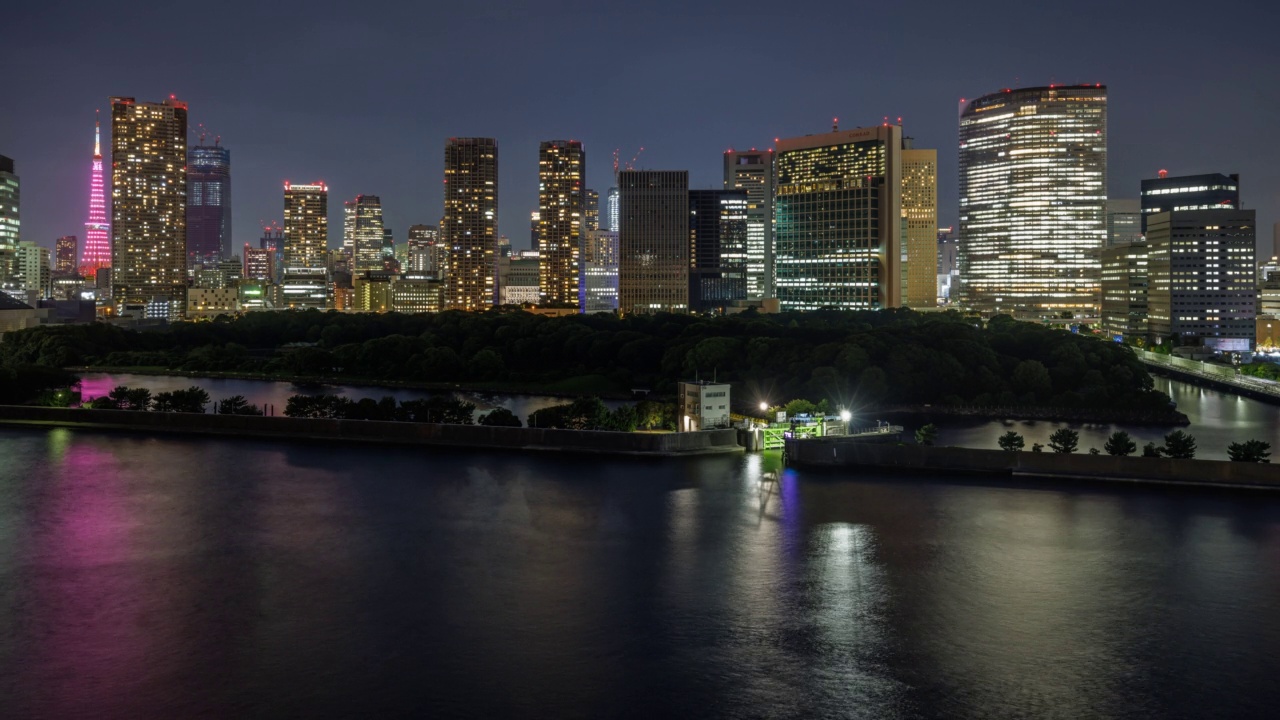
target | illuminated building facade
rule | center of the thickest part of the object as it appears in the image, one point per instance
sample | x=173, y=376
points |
x=611, y=209
x=718, y=231
x=208, y=204
x=1124, y=289
x=417, y=293
x=302, y=288
x=920, y=241
x=10, y=204
x=1124, y=222
x=838, y=211
x=426, y=254
x=1033, y=191
x=470, y=224
x=65, y=250
x=519, y=279
x=149, y=206
x=751, y=171
x=367, y=232
x=259, y=264
x=306, y=226
x=1203, y=277
x=599, y=281
x=1213, y=191
x=653, y=241
x=591, y=210
x=32, y=270
x=561, y=187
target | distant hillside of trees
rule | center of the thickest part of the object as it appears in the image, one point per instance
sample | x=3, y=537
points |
x=851, y=359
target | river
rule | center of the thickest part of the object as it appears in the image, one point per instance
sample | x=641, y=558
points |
x=1217, y=418
x=196, y=577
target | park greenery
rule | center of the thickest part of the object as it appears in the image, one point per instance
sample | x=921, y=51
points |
x=852, y=360
x=191, y=400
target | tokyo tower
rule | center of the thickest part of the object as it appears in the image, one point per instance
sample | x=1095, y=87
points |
x=97, y=238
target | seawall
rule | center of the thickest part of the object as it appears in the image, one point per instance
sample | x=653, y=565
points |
x=370, y=431
x=850, y=455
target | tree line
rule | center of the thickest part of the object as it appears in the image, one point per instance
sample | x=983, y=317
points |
x=1178, y=445
x=855, y=360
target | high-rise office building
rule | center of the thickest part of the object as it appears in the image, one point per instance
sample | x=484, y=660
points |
x=599, y=271
x=1203, y=283
x=1213, y=191
x=149, y=206
x=367, y=232
x=208, y=204
x=838, y=209
x=562, y=166
x=259, y=264
x=32, y=269
x=306, y=226
x=1124, y=222
x=611, y=209
x=1033, y=190
x=653, y=241
x=10, y=204
x=426, y=254
x=65, y=249
x=273, y=239
x=349, y=227
x=1124, y=288
x=97, y=232
x=718, y=228
x=751, y=171
x=470, y=223
x=946, y=264
x=591, y=210
x=920, y=210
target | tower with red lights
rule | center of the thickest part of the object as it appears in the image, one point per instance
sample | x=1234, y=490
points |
x=97, y=236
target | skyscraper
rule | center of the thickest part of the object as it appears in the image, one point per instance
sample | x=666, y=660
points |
x=208, y=204
x=367, y=232
x=611, y=209
x=920, y=209
x=97, y=233
x=10, y=204
x=65, y=249
x=838, y=208
x=599, y=271
x=653, y=241
x=1124, y=222
x=535, y=230
x=149, y=206
x=1033, y=191
x=1203, y=284
x=1213, y=191
x=718, y=232
x=426, y=252
x=1124, y=288
x=306, y=226
x=562, y=166
x=752, y=172
x=591, y=210
x=470, y=224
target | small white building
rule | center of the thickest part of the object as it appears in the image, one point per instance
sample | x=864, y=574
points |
x=702, y=405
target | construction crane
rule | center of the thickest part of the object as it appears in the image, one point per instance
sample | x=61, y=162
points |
x=631, y=164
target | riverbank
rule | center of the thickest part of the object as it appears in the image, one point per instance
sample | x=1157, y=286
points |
x=851, y=455
x=1171, y=418
x=587, y=386
x=707, y=442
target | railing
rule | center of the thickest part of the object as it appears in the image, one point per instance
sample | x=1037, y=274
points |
x=1209, y=371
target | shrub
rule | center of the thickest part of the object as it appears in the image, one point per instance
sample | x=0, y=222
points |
x=500, y=417
x=927, y=435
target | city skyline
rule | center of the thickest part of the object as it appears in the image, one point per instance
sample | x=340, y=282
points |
x=394, y=153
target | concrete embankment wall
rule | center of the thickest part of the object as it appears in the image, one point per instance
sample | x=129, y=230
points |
x=406, y=433
x=855, y=456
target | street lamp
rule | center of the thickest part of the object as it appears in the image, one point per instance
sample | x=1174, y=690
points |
x=764, y=407
x=845, y=415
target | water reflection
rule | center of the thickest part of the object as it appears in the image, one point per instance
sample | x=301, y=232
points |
x=167, y=577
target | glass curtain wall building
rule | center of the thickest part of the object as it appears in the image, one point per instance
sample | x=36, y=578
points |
x=653, y=242
x=366, y=232
x=208, y=204
x=1033, y=192
x=718, y=234
x=751, y=171
x=838, y=238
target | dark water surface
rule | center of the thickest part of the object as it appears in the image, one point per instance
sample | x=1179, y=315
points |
x=182, y=578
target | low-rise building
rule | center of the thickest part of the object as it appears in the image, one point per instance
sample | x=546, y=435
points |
x=209, y=303
x=417, y=293
x=702, y=405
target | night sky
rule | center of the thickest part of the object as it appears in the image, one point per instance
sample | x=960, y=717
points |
x=362, y=95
